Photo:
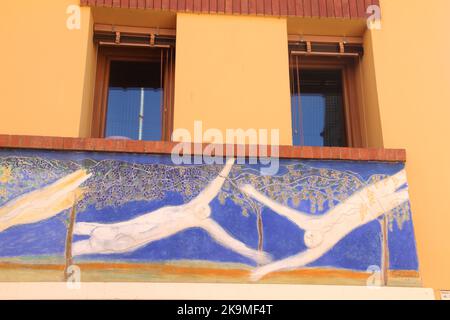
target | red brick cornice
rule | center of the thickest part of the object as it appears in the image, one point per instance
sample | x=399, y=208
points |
x=342, y=9
x=149, y=147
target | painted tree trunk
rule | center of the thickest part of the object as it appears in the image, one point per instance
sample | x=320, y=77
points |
x=259, y=222
x=69, y=240
x=384, y=222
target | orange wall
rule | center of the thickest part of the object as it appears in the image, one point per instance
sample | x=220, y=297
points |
x=412, y=70
x=232, y=72
x=45, y=73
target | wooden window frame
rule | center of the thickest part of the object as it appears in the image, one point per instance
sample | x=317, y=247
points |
x=107, y=54
x=352, y=97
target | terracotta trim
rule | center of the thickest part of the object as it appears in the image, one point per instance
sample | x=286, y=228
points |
x=342, y=9
x=161, y=147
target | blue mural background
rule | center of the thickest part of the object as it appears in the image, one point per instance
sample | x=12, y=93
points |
x=357, y=251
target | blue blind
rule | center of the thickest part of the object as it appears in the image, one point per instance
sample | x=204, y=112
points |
x=135, y=101
x=123, y=115
x=317, y=108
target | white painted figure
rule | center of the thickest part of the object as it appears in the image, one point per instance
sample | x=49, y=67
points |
x=322, y=233
x=42, y=204
x=131, y=235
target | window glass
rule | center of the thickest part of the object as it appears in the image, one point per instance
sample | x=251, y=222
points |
x=135, y=96
x=317, y=108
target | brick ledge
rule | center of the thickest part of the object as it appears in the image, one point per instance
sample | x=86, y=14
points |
x=161, y=147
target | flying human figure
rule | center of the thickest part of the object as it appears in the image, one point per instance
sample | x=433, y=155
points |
x=43, y=203
x=322, y=233
x=131, y=235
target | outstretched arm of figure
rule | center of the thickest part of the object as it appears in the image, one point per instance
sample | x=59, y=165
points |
x=62, y=191
x=290, y=263
x=43, y=203
x=223, y=238
x=372, y=201
x=301, y=219
x=211, y=191
x=326, y=241
x=374, y=192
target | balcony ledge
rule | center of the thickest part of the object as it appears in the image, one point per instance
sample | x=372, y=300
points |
x=162, y=147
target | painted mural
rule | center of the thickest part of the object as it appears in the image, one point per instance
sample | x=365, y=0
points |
x=127, y=217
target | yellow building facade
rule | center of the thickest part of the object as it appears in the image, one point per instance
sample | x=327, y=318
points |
x=232, y=71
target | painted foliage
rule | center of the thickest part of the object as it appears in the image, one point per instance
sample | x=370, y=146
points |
x=123, y=217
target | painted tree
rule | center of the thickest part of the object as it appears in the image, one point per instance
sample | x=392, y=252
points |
x=21, y=175
x=314, y=190
x=398, y=216
x=115, y=183
x=298, y=185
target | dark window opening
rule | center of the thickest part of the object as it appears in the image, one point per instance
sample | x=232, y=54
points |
x=134, y=93
x=317, y=108
x=135, y=99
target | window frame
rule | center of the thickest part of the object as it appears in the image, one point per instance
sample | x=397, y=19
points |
x=107, y=54
x=351, y=95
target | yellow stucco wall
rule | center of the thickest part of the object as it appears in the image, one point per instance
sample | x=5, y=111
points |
x=45, y=77
x=412, y=71
x=232, y=72
x=371, y=127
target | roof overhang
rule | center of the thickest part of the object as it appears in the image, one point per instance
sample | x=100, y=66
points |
x=340, y=9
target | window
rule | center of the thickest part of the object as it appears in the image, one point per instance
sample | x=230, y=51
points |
x=135, y=95
x=134, y=85
x=325, y=94
x=317, y=108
